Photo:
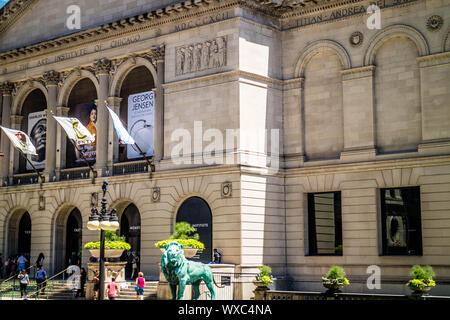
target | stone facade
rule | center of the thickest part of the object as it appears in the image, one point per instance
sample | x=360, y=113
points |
x=353, y=114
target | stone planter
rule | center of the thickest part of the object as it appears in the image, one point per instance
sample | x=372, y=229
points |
x=109, y=253
x=425, y=291
x=188, y=252
x=333, y=288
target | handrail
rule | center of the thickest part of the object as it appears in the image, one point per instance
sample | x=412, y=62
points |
x=44, y=287
x=15, y=276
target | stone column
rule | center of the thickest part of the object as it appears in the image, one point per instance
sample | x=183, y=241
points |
x=102, y=68
x=6, y=91
x=51, y=79
x=113, y=140
x=293, y=140
x=61, y=143
x=159, y=106
x=359, y=114
x=16, y=123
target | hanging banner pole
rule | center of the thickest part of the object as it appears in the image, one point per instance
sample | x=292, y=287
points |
x=149, y=163
x=40, y=177
x=94, y=173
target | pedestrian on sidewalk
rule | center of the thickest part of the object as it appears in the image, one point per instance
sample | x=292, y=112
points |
x=113, y=289
x=24, y=282
x=96, y=284
x=22, y=261
x=140, y=284
x=41, y=277
x=82, y=282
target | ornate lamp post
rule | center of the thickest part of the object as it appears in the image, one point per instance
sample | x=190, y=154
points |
x=102, y=222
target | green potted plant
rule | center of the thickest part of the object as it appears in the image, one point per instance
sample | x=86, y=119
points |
x=264, y=278
x=114, y=245
x=185, y=235
x=335, y=279
x=423, y=281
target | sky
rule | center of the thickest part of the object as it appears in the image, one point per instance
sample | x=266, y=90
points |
x=3, y=2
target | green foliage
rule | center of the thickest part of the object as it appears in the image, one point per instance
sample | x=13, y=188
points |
x=109, y=245
x=336, y=275
x=419, y=284
x=419, y=272
x=183, y=230
x=112, y=241
x=264, y=275
x=192, y=243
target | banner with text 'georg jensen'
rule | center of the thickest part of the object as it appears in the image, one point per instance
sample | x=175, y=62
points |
x=141, y=110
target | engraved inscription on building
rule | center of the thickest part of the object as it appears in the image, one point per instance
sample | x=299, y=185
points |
x=201, y=56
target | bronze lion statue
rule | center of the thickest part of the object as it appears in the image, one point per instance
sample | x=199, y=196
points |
x=180, y=271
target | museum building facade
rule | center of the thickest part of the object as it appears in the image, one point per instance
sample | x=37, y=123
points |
x=296, y=134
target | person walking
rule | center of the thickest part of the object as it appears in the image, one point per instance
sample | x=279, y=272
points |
x=13, y=266
x=22, y=261
x=113, y=289
x=80, y=291
x=96, y=284
x=41, y=277
x=140, y=284
x=24, y=280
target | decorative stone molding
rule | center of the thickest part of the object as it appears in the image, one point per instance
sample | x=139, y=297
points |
x=51, y=78
x=357, y=73
x=356, y=39
x=156, y=194
x=102, y=66
x=6, y=88
x=434, y=23
x=12, y=11
x=318, y=46
x=226, y=190
x=201, y=56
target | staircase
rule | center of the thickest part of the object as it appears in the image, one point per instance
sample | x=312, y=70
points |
x=129, y=293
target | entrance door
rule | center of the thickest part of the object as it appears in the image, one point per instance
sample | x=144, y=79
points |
x=130, y=227
x=73, y=238
x=197, y=213
x=24, y=244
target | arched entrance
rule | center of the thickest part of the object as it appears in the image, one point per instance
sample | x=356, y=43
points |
x=19, y=234
x=197, y=213
x=68, y=238
x=130, y=227
x=24, y=236
x=73, y=238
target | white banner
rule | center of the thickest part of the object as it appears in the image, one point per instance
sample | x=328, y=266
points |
x=20, y=140
x=37, y=131
x=141, y=109
x=75, y=130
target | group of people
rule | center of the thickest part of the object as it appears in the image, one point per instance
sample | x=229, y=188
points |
x=113, y=289
x=12, y=265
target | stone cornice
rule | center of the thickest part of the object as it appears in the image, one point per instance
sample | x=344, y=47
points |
x=434, y=59
x=12, y=11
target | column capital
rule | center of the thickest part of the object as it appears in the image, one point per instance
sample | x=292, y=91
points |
x=62, y=111
x=6, y=88
x=51, y=78
x=16, y=120
x=114, y=101
x=102, y=66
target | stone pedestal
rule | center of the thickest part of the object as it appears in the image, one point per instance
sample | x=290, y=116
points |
x=163, y=292
x=111, y=270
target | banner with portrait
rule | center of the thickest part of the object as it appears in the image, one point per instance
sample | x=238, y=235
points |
x=86, y=113
x=141, y=110
x=37, y=131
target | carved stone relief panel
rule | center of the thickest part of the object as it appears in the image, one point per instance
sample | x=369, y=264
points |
x=201, y=56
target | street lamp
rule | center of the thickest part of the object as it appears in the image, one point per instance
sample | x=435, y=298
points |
x=103, y=221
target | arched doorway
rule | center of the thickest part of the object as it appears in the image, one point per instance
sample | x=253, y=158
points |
x=24, y=236
x=197, y=213
x=130, y=227
x=68, y=227
x=73, y=238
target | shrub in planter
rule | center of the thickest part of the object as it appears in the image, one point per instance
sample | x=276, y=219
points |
x=112, y=241
x=264, y=277
x=335, y=279
x=184, y=234
x=423, y=279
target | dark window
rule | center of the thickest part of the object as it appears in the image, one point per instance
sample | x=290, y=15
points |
x=324, y=223
x=401, y=226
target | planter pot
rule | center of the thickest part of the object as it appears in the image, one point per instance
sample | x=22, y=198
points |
x=109, y=253
x=261, y=285
x=188, y=252
x=333, y=288
x=424, y=291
